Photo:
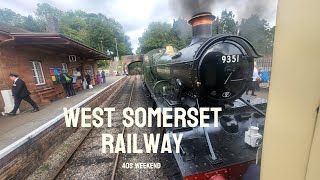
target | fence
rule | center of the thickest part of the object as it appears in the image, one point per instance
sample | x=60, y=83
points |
x=266, y=64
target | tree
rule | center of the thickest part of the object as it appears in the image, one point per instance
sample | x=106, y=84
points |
x=94, y=30
x=158, y=35
x=24, y=22
x=31, y=24
x=104, y=64
x=105, y=33
x=216, y=26
x=10, y=17
x=226, y=24
x=44, y=10
x=270, y=40
x=258, y=32
x=73, y=25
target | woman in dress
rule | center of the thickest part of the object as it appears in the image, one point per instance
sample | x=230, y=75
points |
x=99, y=78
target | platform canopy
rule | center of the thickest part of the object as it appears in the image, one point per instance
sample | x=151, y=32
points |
x=56, y=43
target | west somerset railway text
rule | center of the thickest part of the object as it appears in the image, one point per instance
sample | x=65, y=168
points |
x=87, y=161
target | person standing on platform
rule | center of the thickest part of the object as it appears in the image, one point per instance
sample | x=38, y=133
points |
x=264, y=77
x=20, y=92
x=255, y=81
x=70, y=84
x=66, y=82
x=88, y=79
x=103, y=74
x=99, y=79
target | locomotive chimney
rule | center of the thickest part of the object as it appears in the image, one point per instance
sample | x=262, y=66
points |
x=201, y=26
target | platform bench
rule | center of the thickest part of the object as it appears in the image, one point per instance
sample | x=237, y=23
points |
x=49, y=93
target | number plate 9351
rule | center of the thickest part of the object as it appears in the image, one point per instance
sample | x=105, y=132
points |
x=226, y=59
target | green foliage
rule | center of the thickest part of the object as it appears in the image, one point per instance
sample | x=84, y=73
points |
x=28, y=23
x=215, y=26
x=104, y=32
x=226, y=24
x=158, y=35
x=258, y=32
x=94, y=30
x=44, y=10
x=270, y=40
x=33, y=25
x=10, y=17
x=179, y=35
x=135, y=68
x=104, y=64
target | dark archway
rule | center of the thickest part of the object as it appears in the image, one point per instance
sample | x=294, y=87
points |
x=135, y=68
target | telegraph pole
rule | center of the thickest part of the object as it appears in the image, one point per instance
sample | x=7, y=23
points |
x=101, y=46
x=116, y=47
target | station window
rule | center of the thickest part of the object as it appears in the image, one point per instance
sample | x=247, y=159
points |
x=38, y=73
x=64, y=67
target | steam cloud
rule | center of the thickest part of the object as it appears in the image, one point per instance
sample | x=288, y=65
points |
x=188, y=8
x=265, y=9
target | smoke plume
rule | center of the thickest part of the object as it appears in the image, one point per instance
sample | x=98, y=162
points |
x=188, y=8
x=265, y=9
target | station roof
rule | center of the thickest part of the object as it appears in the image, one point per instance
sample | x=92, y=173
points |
x=56, y=43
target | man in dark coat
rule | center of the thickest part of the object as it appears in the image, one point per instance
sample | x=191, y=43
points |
x=20, y=92
x=88, y=79
x=66, y=82
x=103, y=74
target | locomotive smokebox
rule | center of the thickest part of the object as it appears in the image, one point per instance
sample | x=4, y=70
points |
x=201, y=26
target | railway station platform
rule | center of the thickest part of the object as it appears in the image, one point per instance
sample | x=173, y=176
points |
x=13, y=128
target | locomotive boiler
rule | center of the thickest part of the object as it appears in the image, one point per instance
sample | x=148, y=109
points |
x=212, y=70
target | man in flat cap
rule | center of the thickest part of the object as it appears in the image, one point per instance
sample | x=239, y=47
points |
x=20, y=92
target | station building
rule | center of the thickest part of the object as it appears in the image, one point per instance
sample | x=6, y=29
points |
x=38, y=58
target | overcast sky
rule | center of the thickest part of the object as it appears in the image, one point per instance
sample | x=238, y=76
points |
x=135, y=15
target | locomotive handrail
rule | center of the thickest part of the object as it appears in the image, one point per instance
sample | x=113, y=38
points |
x=217, y=38
x=154, y=86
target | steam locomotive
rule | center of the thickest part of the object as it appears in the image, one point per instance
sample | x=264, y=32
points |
x=211, y=71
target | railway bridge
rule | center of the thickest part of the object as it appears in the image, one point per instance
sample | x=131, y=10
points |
x=126, y=60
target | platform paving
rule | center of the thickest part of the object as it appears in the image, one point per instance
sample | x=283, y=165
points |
x=13, y=128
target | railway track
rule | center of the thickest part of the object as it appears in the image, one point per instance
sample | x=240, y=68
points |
x=116, y=163
x=168, y=168
x=87, y=161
